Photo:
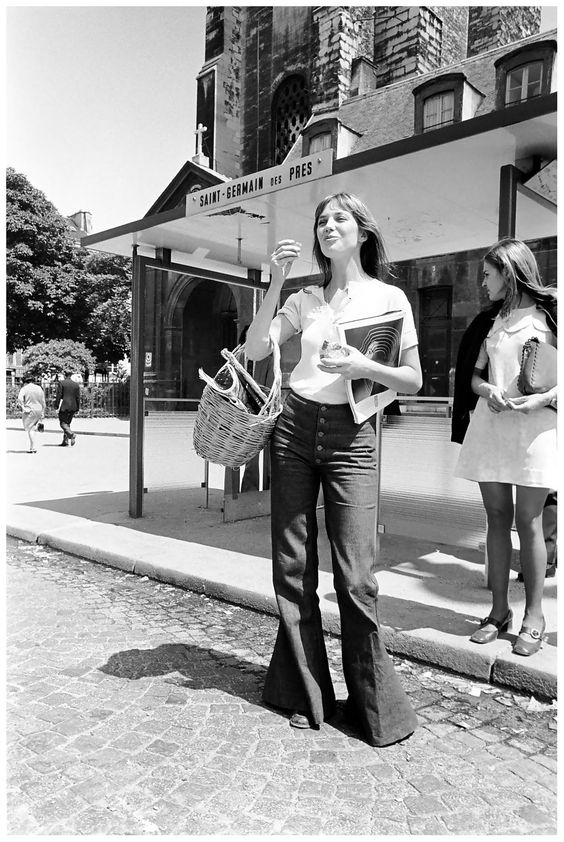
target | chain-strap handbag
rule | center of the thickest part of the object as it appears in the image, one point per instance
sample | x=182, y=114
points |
x=538, y=367
x=236, y=416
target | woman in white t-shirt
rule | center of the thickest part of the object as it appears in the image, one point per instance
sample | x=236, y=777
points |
x=317, y=442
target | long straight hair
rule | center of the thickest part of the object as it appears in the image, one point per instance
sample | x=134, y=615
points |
x=517, y=263
x=373, y=257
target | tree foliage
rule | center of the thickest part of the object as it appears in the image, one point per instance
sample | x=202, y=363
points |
x=47, y=360
x=41, y=277
x=55, y=289
x=108, y=298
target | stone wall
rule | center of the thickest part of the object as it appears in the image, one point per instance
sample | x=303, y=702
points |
x=335, y=45
x=409, y=40
x=253, y=49
x=228, y=116
x=388, y=114
x=277, y=45
x=219, y=90
x=214, y=31
x=363, y=20
x=454, y=21
x=495, y=26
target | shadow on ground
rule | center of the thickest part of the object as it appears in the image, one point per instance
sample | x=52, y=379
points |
x=435, y=576
x=201, y=668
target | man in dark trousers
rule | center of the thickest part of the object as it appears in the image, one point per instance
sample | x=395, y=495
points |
x=68, y=404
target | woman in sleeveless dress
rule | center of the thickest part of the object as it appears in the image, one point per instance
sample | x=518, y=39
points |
x=510, y=445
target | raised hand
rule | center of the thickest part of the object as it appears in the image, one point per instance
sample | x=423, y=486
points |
x=284, y=254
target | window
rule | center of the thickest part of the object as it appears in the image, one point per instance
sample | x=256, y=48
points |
x=441, y=101
x=290, y=113
x=438, y=110
x=525, y=73
x=524, y=82
x=320, y=135
x=319, y=142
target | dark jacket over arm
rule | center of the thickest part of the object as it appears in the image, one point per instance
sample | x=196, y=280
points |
x=465, y=400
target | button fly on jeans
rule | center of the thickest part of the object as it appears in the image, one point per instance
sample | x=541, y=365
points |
x=319, y=447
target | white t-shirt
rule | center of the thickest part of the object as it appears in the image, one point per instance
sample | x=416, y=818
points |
x=308, y=312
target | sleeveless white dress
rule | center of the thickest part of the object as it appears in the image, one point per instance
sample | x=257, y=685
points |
x=510, y=447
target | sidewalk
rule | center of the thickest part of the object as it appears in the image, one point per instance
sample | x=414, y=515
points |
x=431, y=596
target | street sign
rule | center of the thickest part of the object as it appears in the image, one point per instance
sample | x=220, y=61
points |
x=259, y=183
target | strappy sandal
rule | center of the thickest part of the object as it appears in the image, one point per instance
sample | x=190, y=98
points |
x=483, y=635
x=530, y=647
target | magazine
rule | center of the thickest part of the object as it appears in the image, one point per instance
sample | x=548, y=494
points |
x=379, y=338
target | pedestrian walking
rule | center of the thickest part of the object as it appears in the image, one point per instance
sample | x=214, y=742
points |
x=68, y=404
x=31, y=398
x=509, y=439
x=316, y=441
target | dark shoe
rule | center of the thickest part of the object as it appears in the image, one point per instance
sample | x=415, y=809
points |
x=63, y=444
x=483, y=635
x=301, y=720
x=532, y=646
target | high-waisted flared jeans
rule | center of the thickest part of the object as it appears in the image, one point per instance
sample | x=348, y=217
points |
x=317, y=444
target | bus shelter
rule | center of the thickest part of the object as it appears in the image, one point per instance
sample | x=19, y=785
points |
x=456, y=189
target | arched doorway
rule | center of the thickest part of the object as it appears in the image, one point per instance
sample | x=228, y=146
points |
x=208, y=325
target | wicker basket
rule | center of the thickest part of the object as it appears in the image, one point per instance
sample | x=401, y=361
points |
x=236, y=416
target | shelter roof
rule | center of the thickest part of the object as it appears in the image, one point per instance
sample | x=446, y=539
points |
x=432, y=194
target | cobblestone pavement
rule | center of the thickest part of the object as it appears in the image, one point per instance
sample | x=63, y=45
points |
x=134, y=708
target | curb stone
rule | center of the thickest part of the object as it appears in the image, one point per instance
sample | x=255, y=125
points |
x=246, y=580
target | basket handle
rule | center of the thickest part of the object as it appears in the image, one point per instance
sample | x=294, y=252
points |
x=230, y=392
x=273, y=397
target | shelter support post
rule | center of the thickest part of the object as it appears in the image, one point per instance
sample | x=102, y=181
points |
x=136, y=388
x=379, y=528
x=509, y=179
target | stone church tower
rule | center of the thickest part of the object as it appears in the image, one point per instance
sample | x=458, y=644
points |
x=269, y=70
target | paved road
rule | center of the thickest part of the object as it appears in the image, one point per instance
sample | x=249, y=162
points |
x=134, y=708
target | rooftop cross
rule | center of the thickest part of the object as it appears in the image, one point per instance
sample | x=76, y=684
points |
x=199, y=137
